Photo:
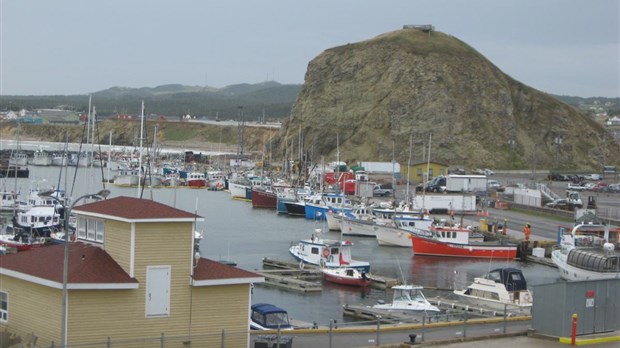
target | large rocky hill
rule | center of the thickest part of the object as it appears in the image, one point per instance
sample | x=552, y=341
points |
x=368, y=101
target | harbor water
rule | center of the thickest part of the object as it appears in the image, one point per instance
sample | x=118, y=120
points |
x=235, y=231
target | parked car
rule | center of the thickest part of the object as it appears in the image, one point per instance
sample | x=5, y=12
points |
x=599, y=186
x=383, y=190
x=494, y=185
x=593, y=177
x=488, y=172
x=575, y=187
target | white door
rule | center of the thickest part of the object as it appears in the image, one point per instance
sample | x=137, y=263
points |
x=157, y=291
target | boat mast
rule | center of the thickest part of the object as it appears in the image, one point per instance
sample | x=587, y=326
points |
x=140, y=152
x=409, y=168
x=90, y=100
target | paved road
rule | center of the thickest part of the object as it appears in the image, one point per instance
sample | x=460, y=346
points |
x=543, y=227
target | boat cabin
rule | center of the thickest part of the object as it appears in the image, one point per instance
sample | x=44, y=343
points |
x=266, y=316
x=512, y=278
x=607, y=262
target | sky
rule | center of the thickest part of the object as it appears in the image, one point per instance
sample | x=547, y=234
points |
x=62, y=47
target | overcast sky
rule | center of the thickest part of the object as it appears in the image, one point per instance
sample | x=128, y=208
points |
x=565, y=47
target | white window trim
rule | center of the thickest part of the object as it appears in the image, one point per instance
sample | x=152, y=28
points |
x=4, y=313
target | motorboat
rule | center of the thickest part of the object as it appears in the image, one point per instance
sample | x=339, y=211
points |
x=346, y=276
x=587, y=253
x=407, y=298
x=266, y=316
x=500, y=289
x=327, y=253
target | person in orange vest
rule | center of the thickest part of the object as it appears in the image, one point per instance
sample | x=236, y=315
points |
x=527, y=232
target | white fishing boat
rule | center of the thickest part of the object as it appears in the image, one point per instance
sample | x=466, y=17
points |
x=60, y=159
x=501, y=289
x=8, y=200
x=587, y=253
x=407, y=298
x=397, y=232
x=40, y=158
x=326, y=253
x=359, y=213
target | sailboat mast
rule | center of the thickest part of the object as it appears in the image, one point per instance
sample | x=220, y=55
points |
x=140, y=152
x=409, y=167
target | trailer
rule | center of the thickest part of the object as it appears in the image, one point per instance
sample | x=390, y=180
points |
x=445, y=203
x=466, y=183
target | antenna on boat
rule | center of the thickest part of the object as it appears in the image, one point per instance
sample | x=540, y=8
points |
x=402, y=275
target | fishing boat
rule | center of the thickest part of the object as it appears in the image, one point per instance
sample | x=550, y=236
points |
x=39, y=220
x=500, y=289
x=587, y=253
x=60, y=159
x=40, y=158
x=20, y=239
x=359, y=212
x=18, y=158
x=326, y=253
x=266, y=316
x=407, y=298
x=8, y=200
x=264, y=197
x=316, y=208
x=458, y=241
x=346, y=276
x=196, y=180
x=397, y=232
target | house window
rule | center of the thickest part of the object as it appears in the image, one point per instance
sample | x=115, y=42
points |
x=4, y=307
x=91, y=229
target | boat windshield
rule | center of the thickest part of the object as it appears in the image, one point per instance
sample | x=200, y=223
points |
x=276, y=319
x=408, y=295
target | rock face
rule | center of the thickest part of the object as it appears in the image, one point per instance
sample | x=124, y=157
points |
x=384, y=97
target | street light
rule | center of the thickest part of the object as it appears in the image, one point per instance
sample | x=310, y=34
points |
x=65, y=265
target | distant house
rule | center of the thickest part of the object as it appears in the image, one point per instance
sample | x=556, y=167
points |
x=417, y=172
x=132, y=274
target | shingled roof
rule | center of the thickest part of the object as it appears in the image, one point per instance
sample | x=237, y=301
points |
x=89, y=267
x=131, y=209
x=209, y=272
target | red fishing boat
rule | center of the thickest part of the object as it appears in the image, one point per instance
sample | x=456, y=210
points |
x=458, y=241
x=346, y=275
x=264, y=197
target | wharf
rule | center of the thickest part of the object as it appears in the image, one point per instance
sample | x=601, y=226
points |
x=451, y=311
x=287, y=281
x=289, y=275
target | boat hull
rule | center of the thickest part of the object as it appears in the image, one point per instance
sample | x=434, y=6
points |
x=427, y=246
x=295, y=208
x=264, y=199
x=340, y=276
x=392, y=236
x=353, y=227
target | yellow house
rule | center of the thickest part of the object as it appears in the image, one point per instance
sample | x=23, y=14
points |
x=132, y=275
x=417, y=171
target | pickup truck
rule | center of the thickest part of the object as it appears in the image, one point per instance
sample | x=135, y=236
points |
x=385, y=190
x=575, y=187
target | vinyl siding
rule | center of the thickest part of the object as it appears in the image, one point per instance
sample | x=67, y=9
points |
x=33, y=309
x=117, y=242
